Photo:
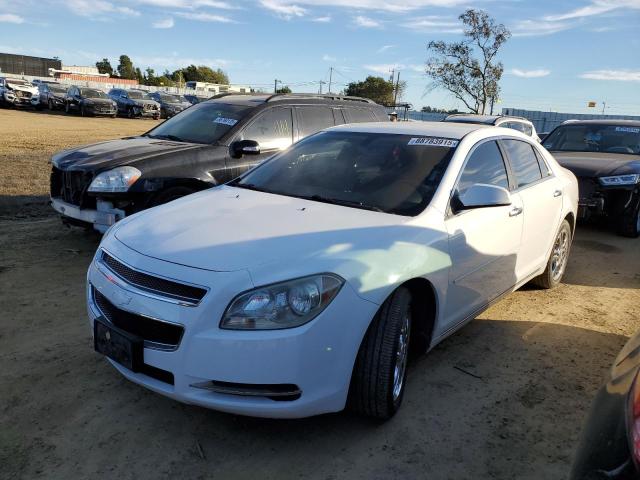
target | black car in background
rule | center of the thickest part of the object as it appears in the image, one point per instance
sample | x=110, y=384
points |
x=52, y=96
x=610, y=443
x=208, y=144
x=605, y=156
x=170, y=103
x=89, y=101
x=193, y=99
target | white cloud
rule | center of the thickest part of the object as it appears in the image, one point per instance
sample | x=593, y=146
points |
x=11, y=18
x=166, y=23
x=385, y=48
x=617, y=75
x=366, y=22
x=325, y=19
x=205, y=17
x=190, y=4
x=97, y=9
x=529, y=73
x=384, y=5
x=328, y=58
x=175, y=61
x=284, y=10
x=536, y=28
x=597, y=7
x=385, y=68
x=434, y=24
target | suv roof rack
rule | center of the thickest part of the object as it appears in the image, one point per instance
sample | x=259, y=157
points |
x=303, y=96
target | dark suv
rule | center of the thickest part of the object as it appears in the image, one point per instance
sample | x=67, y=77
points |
x=207, y=144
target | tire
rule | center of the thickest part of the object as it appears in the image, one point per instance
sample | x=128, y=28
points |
x=114, y=115
x=67, y=109
x=82, y=112
x=170, y=194
x=557, y=262
x=629, y=223
x=50, y=105
x=131, y=113
x=379, y=375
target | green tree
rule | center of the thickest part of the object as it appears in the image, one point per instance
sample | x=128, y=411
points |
x=126, y=69
x=104, y=66
x=469, y=69
x=284, y=89
x=375, y=88
x=139, y=76
x=202, y=73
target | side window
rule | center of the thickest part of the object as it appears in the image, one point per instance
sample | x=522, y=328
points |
x=544, y=168
x=526, y=128
x=359, y=115
x=523, y=161
x=272, y=129
x=485, y=165
x=314, y=119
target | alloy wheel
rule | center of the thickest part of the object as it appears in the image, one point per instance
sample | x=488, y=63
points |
x=560, y=254
x=402, y=354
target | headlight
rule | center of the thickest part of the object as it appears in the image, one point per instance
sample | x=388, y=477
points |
x=282, y=305
x=116, y=180
x=630, y=179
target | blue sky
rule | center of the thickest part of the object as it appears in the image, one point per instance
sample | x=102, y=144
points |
x=562, y=54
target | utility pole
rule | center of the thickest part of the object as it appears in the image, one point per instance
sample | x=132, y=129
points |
x=395, y=95
x=604, y=105
x=275, y=85
x=330, y=77
x=322, y=82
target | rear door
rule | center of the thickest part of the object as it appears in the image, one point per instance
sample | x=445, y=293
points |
x=484, y=242
x=541, y=195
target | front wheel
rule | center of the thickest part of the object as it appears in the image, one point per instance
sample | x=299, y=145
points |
x=380, y=371
x=557, y=262
x=629, y=223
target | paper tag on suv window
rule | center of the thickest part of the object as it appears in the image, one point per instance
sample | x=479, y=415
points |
x=225, y=121
x=628, y=129
x=434, y=141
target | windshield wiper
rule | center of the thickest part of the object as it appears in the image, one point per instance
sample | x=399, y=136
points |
x=344, y=203
x=168, y=137
x=249, y=186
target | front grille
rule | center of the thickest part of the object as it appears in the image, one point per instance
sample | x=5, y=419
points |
x=149, y=106
x=71, y=187
x=21, y=94
x=149, y=329
x=178, y=291
x=587, y=187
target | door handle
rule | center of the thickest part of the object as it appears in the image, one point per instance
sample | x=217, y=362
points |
x=557, y=193
x=515, y=211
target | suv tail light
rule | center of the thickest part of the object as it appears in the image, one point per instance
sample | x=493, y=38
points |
x=633, y=420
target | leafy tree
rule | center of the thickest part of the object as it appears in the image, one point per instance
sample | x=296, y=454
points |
x=125, y=68
x=454, y=66
x=375, y=88
x=202, y=73
x=139, y=76
x=284, y=89
x=104, y=66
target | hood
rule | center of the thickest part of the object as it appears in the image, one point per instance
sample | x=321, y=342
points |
x=113, y=153
x=228, y=229
x=145, y=102
x=99, y=101
x=596, y=164
x=23, y=88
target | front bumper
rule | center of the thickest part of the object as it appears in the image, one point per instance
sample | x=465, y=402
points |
x=101, y=218
x=18, y=101
x=317, y=358
x=96, y=110
x=596, y=200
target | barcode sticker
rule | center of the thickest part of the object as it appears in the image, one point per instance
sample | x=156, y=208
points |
x=225, y=121
x=434, y=142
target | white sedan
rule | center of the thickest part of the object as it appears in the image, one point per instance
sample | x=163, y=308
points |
x=305, y=285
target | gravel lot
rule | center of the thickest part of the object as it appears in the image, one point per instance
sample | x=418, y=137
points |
x=537, y=358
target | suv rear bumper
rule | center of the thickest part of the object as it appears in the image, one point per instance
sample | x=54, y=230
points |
x=101, y=218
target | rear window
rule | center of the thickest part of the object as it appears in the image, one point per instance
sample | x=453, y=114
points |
x=359, y=115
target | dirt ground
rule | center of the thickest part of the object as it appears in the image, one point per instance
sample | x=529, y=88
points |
x=537, y=359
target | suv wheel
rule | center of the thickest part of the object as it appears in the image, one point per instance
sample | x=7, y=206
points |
x=629, y=223
x=67, y=109
x=379, y=375
x=50, y=104
x=131, y=113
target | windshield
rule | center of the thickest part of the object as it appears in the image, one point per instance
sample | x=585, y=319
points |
x=57, y=89
x=170, y=98
x=90, y=93
x=136, y=95
x=594, y=138
x=202, y=123
x=384, y=172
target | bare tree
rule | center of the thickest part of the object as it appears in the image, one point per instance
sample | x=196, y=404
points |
x=454, y=66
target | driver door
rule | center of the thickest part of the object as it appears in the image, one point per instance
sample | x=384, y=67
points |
x=483, y=242
x=272, y=129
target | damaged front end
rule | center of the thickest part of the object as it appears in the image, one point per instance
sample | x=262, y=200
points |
x=19, y=94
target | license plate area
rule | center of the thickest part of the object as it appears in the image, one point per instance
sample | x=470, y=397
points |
x=118, y=345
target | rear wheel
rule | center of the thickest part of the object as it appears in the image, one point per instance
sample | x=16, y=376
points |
x=380, y=371
x=557, y=262
x=131, y=113
x=629, y=223
x=170, y=194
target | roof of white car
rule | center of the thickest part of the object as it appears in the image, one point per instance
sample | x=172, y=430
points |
x=431, y=129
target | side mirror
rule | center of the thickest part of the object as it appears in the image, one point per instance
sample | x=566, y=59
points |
x=245, y=147
x=481, y=195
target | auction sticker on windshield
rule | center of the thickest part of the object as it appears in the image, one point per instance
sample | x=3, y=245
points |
x=434, y=141
x=225, y=121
